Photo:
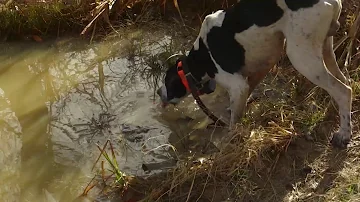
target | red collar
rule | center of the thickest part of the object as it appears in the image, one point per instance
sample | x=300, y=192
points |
x=182, y=76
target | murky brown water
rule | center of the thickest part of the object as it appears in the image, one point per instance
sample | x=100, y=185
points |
x=59, y=99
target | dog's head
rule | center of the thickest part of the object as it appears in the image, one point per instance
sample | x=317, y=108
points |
x=173, y=90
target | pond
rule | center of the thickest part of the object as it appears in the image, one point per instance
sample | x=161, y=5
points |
x=61, y=99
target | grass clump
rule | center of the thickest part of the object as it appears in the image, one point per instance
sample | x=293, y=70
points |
x=38, y=18
x=90, y=18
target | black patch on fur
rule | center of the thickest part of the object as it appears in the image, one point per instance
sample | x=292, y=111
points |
x=247, y=13
x=295, y=5
x=226, y=51
x=200, y=63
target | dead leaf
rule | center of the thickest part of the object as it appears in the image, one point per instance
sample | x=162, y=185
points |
x=37, y=38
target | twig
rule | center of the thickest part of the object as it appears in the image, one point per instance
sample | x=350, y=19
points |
x=88, y=187
x=101, y=151
x=191, y=187
x=91, y=22
x=93, y=33
x=178, y=9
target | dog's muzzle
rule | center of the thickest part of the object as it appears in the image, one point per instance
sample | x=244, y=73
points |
x=163, y=96
x=162, y=92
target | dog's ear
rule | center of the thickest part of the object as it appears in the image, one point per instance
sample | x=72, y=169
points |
x=170, y=61
x=172, y=68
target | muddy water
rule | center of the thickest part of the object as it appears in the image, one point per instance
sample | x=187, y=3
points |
x=60, y=99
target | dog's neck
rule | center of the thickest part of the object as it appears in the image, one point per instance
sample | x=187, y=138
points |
x=200, y=63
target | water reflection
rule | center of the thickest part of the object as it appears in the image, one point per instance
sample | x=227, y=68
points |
x=58, y=101
x=10, y=148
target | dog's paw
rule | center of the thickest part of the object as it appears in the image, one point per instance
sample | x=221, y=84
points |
x=341, y=139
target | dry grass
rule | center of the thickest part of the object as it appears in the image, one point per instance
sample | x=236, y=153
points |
x=19, y=20
x=89, y=18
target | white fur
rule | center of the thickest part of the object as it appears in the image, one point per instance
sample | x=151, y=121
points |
x=214, y=19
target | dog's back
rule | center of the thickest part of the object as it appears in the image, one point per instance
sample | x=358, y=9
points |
x=250, y=36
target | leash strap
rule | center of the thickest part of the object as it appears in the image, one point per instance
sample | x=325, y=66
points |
x=194, y=91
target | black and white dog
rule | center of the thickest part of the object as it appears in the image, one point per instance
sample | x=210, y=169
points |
x=237, y=47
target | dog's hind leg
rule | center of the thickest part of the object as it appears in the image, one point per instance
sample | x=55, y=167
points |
x=307, y=58
x=330, y=60
x=305, y=32
x=329, y=55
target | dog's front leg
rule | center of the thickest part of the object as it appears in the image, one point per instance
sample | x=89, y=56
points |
x=238, y=94
x=238, y=89
x=238, y=98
